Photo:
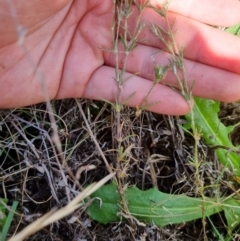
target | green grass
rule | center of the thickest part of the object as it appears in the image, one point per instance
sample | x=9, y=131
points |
x=6, y=218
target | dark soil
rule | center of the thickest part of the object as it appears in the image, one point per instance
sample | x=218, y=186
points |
x=31, y=175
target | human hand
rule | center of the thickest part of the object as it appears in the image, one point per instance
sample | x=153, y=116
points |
x=67, y=42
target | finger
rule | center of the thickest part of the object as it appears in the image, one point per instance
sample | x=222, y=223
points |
x=214, y=12
x=200, y=42
x=207, y=81
x=103, y=86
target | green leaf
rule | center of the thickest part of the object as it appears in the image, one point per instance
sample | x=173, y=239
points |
x=104, y=209
x=163, y=209
x=235, y=30
x=231, y=208
x=8, y=221
x=149, y=206
x=153, y=206
x=2, y=213
x=215, y=134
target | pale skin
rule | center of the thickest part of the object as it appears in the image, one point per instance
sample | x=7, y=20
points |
x=66, y=41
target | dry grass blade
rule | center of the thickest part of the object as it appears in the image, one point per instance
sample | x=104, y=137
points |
x=55, y=215
x=93, y=137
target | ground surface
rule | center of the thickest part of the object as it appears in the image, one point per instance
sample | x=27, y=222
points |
x=158, y=155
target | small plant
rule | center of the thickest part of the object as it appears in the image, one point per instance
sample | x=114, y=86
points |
x=160, y=208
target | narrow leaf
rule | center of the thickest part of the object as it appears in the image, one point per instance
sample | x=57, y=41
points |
x=2, y=212
x=8, y=221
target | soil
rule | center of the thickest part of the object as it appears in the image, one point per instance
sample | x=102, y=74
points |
x=31, y=175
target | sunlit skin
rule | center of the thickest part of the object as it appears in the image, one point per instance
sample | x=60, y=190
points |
x=66, y=41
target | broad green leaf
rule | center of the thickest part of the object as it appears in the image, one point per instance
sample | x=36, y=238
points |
x=149, y=206
x=163, y=209
x=215, y=134
x=105, y=207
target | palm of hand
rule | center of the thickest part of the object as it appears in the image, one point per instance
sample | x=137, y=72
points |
x=67, y=48
x=63, y=55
